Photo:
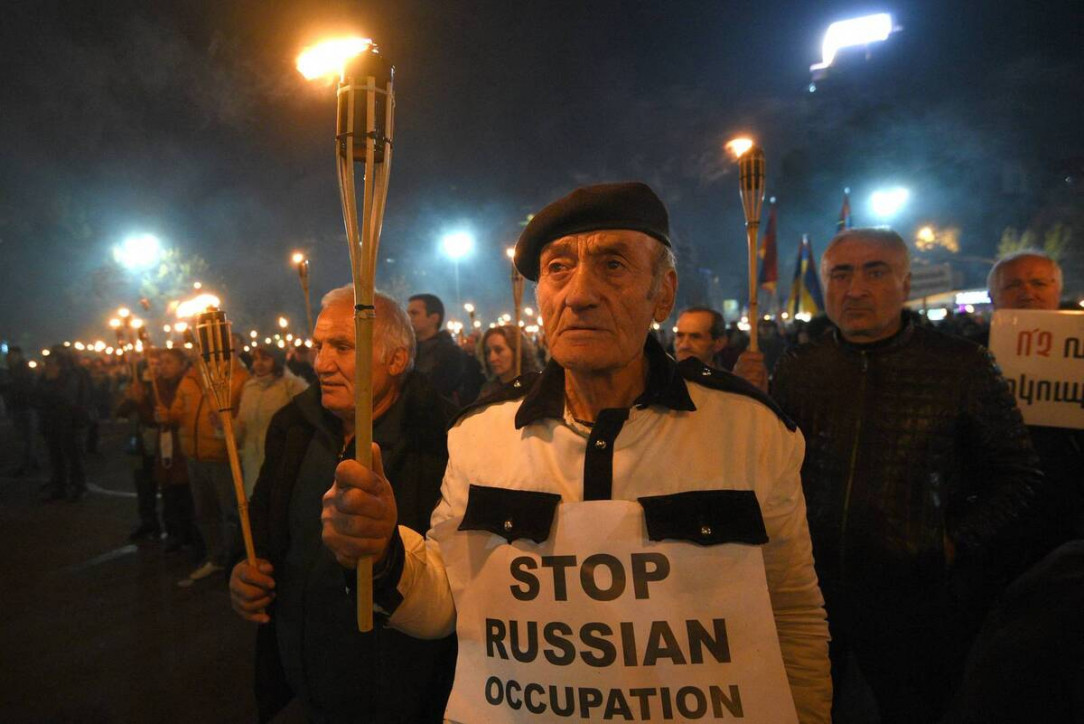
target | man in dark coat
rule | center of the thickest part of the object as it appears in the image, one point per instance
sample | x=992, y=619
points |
x=1032, y=280
x=454, y=373
x=61, y=397
x=918, y=472
x=18, y=390
x=308, y=645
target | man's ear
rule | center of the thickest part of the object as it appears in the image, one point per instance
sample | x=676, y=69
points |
x=397, y=362
x=664, y=299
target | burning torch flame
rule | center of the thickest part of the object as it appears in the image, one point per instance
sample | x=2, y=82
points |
x=329, y=57
x=739, y=146
x=195, y=305
x=298, y=257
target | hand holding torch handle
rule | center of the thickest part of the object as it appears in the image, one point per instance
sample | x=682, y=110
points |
x=216, y=368
x=365, y=125
x=751, y=178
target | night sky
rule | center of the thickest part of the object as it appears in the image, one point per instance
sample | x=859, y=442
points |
x=189, y=121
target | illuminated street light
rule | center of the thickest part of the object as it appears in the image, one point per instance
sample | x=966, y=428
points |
x=137, y=253
x=457, y=245
x=852, y=33
x=886, y=203
x=283, y=322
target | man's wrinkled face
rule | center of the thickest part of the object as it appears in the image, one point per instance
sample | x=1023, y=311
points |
x=333, y=342
x=693, y=338
x=866, y=283
x=596, y=298
x=1026, y=283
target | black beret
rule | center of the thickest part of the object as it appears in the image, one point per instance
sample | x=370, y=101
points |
x=631, y=205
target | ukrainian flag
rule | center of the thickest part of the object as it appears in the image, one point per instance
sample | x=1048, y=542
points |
x=805, y=287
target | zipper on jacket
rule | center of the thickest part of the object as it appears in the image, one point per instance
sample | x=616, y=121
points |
x=851, y=467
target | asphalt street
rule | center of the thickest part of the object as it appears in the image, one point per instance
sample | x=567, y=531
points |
x=95, y=629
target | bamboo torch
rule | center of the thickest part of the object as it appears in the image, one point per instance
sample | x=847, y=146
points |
x=517, y=301
x=363, y=140
x=216, y=370
x=751, y=180
x=302, y=264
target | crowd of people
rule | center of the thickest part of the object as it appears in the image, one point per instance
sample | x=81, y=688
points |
x=912, y=528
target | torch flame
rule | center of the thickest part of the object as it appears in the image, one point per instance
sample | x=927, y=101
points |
x=114, y=323
x=195, y=305
x=329, y=57
x=739, y=146
x=298, y=257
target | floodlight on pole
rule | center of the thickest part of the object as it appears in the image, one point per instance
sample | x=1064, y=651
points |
x=851, y=33
x=886, y=203
x=456, y=245
x=138, y=252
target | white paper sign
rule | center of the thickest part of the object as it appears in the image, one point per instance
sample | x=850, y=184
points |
x=1041, y=355
x=598, y=623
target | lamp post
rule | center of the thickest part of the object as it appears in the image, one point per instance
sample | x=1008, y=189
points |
x=302, y=264
x=455, y=246
x=364, y=131
x=751, y=182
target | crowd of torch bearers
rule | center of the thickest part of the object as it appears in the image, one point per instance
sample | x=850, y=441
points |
x=363, y=147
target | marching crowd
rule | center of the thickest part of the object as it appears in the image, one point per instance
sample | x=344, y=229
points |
x=916, y=535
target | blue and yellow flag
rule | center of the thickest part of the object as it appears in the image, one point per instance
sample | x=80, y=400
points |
x=805, y=288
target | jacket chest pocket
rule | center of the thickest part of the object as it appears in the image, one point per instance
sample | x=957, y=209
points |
x=511, y=514
x=705, y=517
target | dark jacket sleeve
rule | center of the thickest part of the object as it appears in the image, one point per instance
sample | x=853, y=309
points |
x=1004, y=479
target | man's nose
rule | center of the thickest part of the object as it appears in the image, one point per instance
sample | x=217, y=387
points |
x=856, y=287
x=582, y=287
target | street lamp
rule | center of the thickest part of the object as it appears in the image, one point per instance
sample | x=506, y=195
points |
x=850, y=33
x=887, y=203
x=137, y=253
x=457, y=245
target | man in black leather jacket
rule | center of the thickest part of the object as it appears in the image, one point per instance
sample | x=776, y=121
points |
x=918, y=471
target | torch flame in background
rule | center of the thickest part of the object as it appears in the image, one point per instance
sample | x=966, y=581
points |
x=298, y=257
x=739, y=146
x=329, y=56
x=195, y=305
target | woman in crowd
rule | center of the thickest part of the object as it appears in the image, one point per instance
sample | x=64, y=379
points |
x=499, y=353
x=268, y=390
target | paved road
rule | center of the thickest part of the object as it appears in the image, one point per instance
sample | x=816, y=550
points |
x=93, y=629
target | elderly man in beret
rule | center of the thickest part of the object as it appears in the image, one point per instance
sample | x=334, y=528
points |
x=706, y=461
